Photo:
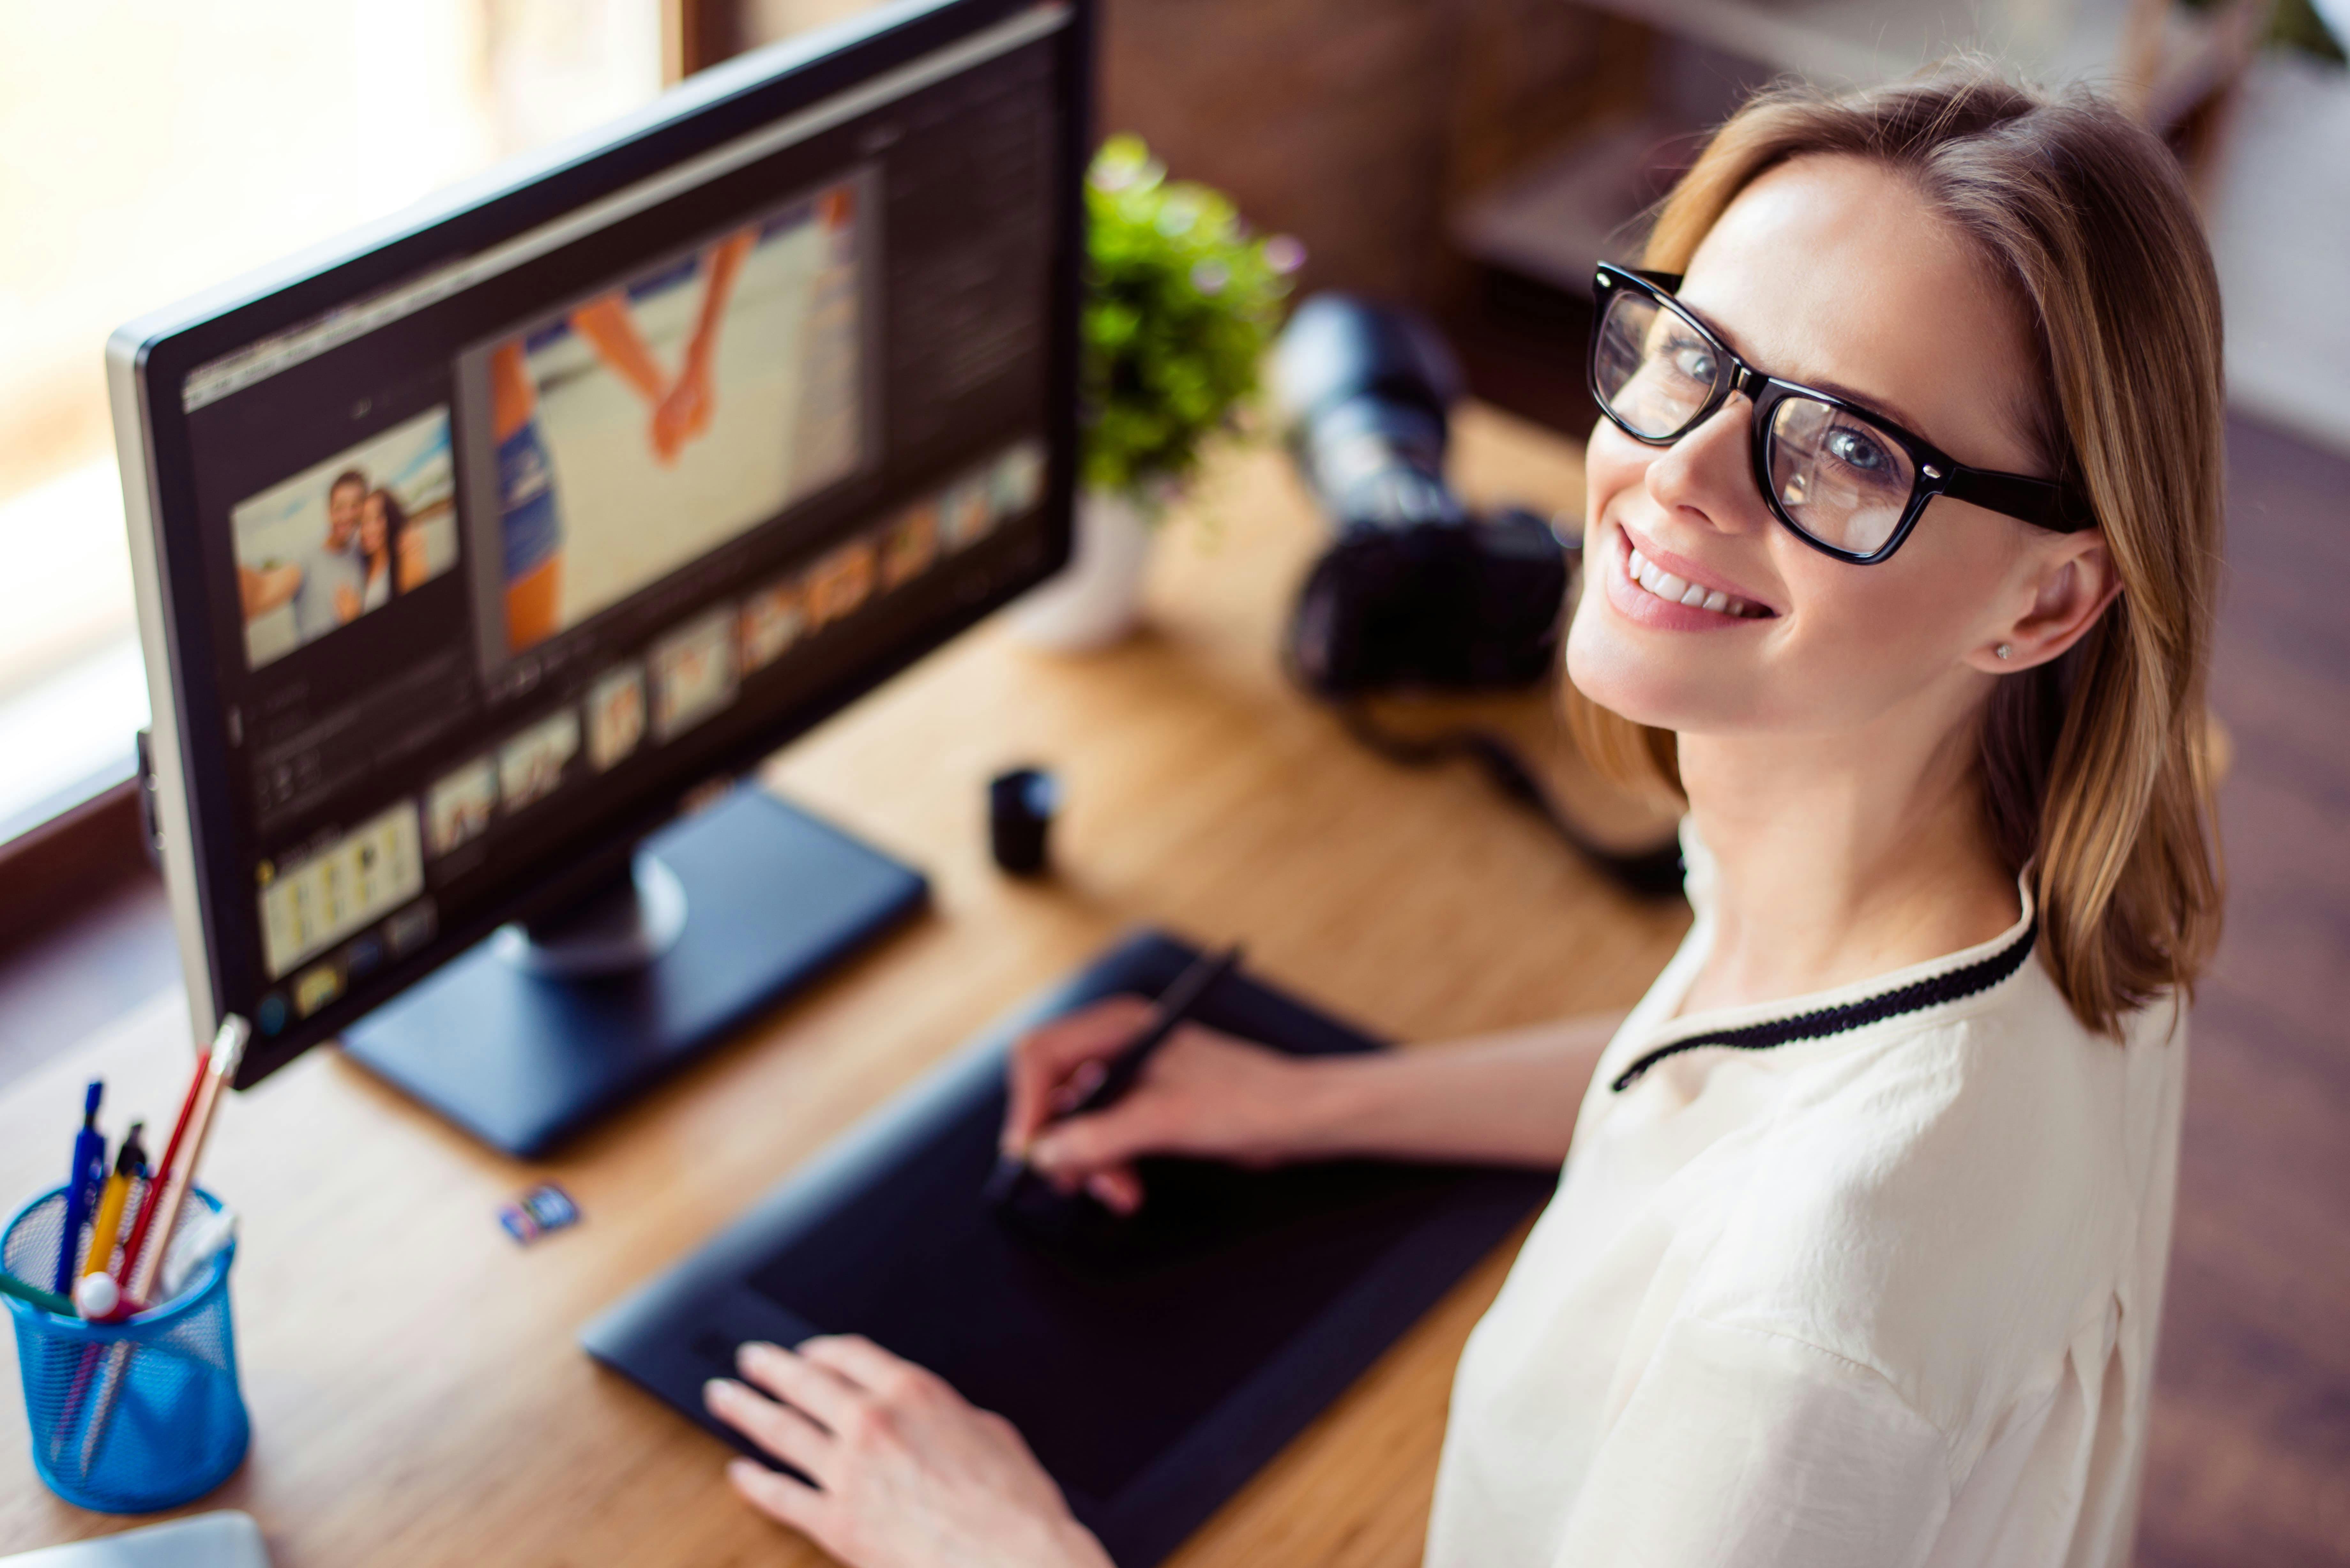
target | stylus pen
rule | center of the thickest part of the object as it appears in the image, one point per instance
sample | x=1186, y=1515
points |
x=1120, y=1070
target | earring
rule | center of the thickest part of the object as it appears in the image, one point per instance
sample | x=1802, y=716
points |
x=2005, y=651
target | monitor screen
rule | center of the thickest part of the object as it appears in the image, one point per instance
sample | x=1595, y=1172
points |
x=476, y=547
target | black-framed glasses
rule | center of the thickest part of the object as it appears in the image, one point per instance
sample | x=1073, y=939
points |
x=1848, y=482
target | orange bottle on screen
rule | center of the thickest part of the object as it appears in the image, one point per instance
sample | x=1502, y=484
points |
x=530, y=521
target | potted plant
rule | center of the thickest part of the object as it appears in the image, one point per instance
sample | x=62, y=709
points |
x=1181, y=303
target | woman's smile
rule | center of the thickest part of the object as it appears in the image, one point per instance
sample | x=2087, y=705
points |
x=1655, y=587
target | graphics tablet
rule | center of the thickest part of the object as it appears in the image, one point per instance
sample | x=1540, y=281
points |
x=1151, y=1376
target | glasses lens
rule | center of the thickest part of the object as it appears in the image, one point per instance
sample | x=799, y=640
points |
x=1651, y=369
x=1837, y=475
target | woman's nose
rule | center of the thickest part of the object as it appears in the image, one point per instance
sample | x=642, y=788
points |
x=1706, y=472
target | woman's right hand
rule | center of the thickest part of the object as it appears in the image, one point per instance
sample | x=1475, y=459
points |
x=1202, y=1093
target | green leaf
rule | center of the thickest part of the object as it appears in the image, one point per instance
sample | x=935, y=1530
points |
x=1167, y=363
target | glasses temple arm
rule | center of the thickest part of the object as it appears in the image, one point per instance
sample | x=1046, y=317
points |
x=2058, y=507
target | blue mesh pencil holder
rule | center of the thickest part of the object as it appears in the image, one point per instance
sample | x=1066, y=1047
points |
x=131, y=1417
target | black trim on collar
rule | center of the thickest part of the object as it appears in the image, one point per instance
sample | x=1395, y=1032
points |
x=1932, y=991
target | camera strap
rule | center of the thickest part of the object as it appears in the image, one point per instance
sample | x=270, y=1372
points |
x=1651, y=873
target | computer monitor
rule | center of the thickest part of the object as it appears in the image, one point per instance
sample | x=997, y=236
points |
x=470, y=545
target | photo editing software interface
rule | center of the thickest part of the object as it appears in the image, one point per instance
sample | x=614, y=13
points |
x=548, y=529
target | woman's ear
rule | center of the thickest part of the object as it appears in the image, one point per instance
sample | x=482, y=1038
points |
x=2069, y=589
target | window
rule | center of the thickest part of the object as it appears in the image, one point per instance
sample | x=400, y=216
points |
x=148, y=152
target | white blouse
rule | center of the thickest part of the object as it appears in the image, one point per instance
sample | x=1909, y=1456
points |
x=1869, y=1277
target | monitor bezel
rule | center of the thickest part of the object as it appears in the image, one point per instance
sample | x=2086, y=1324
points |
x=149, y=359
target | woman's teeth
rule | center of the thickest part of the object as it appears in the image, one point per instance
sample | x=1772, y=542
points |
x=1665, y=585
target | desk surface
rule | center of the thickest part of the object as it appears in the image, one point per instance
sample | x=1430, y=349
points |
x=416, y=1394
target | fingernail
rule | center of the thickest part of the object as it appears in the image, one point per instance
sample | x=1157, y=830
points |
x=742, y=1472
x=717, y=1391
x=750, y=1350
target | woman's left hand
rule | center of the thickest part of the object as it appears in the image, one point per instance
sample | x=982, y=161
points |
x=414, y=563
x=913, y=1475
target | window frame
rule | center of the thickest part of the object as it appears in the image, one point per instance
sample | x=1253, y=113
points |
x=85, y=836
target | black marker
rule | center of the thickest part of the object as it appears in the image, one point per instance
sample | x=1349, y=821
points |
x=1119, y=1071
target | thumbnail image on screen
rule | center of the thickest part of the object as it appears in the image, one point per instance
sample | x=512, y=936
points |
x=458, y=808
x=675, y=411
x=309, y=904
x=616, y=716
x=344, y=536
x=694, y=674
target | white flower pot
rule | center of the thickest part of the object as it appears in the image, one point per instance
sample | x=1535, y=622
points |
x=1096, y=598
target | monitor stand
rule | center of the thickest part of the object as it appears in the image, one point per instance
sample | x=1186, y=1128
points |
x=536, y=1031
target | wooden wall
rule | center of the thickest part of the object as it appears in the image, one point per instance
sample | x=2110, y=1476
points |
x=1356, y=124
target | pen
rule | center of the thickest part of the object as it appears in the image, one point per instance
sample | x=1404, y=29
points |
x=81, y=1191
x=89, y=1174
x=1123, y=1066
x=129, y=1165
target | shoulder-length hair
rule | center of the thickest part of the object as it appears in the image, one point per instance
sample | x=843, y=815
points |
x=2094, y=767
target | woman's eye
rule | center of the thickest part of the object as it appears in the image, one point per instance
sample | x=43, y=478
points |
x=1692, y=360
x=1859, y=451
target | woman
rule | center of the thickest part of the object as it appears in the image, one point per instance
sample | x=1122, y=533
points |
x=1858, y=1252
x=383, y=529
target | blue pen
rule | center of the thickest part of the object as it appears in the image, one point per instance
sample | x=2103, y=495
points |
x=81, y=1187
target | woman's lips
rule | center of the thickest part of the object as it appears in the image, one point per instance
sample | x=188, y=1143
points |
x=1655, y=579
x=1646, y=592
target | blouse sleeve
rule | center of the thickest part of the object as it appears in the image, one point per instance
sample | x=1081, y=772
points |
x=1742, y=1448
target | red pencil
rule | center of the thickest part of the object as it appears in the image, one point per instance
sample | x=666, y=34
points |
x=155, y=1183
x=140, y=1271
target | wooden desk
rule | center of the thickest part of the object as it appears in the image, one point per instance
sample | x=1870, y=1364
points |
x=416, y=1394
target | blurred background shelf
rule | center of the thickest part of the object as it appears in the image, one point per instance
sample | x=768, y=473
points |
x=1705, y=56
x=2264, y=134
x=2277, y=202
x=1587, y=204
x=1857, y=42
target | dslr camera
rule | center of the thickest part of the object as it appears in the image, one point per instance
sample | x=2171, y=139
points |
x=1416, y=591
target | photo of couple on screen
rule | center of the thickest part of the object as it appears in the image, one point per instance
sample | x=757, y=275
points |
x=343, y=537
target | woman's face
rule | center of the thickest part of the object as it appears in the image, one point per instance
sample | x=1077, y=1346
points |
x=1833, y=272
x=375, y=529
